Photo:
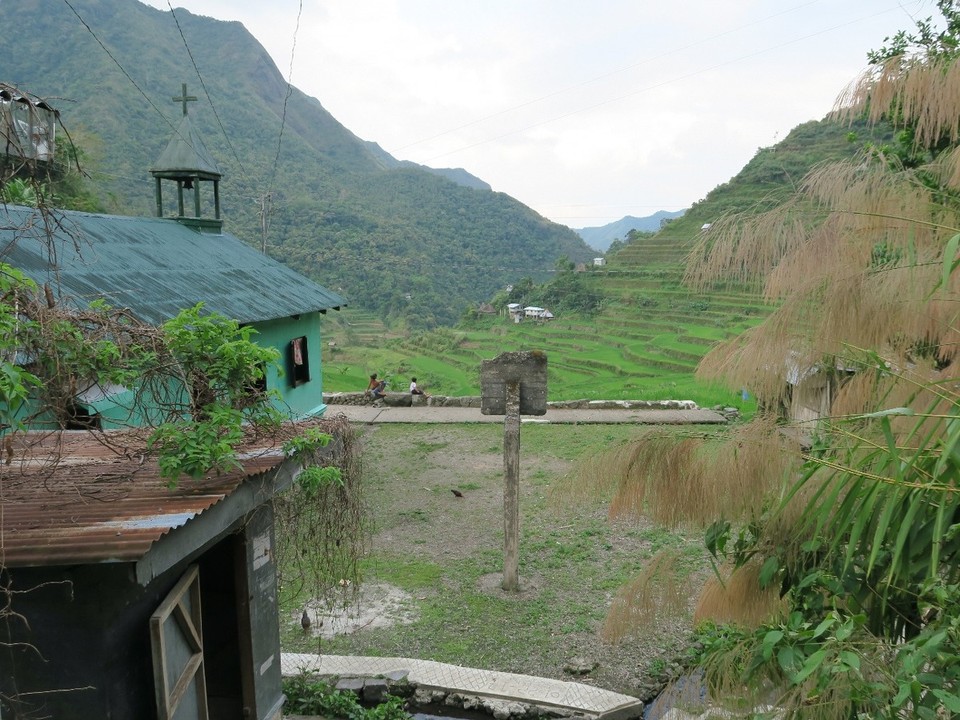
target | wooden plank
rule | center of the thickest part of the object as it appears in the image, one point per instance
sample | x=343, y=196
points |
x=188, y=624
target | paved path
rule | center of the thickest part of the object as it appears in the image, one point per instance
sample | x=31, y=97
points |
x=371, y=415
x=498, y=686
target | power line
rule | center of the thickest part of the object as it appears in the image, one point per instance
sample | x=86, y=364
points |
x=266, y=199
x=286, y=99
x=117, y=63
x=205, y=91
x=133, y=82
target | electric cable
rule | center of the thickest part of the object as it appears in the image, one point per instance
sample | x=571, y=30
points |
x=117, y=63
x=205, y=91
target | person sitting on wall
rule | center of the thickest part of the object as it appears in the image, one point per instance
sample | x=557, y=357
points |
x=376, y=389
x=414, y=390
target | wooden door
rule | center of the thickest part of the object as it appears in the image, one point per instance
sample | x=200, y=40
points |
x=176, y=638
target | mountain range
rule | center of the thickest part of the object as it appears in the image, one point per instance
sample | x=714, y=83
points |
x=408, y=242
x=599, y=238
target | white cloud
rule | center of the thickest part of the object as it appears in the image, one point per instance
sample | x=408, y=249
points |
x=584, y=111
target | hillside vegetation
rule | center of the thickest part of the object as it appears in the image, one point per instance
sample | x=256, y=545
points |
x=651, y=330
x=391, y=237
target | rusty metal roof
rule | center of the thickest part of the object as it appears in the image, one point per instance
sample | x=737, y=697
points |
x=79, y=497
x=155, y=267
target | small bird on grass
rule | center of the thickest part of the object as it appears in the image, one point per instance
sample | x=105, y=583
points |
x=457, y=493
x=305, y=621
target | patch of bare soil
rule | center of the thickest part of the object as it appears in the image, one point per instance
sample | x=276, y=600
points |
x=375, y=605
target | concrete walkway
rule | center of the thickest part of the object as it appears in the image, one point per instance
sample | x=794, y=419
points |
x=372, y=415
x=568, y=697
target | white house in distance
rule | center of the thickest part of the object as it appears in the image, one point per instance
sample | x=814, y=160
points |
x=518, y=313
x=537, y=313
x=599, y=261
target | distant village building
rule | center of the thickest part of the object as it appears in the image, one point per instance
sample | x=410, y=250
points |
x=599, y=261
x=812, y=389
x=705, y=227
x=537, y=313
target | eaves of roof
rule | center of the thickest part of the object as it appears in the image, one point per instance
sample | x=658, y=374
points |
x=78, y=497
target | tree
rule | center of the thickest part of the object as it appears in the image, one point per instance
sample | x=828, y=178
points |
x=838, y=589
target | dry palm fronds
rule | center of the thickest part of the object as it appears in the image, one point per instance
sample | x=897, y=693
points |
x=739, y=599
x=864, y=267
x=687, y=480
x=920, y=91
x=655, y=595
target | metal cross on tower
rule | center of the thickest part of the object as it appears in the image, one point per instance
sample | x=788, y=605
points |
x=184, y=98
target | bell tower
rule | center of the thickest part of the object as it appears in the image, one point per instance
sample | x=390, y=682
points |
x=188, y=163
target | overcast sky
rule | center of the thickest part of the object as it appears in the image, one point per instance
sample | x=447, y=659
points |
x=585, y=110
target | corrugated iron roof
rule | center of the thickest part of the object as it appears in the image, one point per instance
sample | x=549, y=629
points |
x=79, y=497
x=185, y=153
x=154, y=266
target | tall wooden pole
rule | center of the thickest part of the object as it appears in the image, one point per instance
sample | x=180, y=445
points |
x=511, y=488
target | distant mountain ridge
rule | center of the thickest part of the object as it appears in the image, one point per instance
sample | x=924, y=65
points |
x=457, y=175
x=599, y=238
x=399, y=239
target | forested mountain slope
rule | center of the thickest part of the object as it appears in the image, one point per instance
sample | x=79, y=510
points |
x=769, y=177
x=391, y=237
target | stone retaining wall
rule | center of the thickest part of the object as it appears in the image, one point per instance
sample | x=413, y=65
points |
x=393, y=399
x=372, y=691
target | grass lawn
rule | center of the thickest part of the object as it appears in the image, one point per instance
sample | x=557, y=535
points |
x=446, y=554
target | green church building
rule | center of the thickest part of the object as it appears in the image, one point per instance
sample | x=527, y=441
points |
x=155, y=267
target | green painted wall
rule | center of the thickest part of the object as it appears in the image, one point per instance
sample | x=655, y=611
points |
x=306, y=398
x=298, y=401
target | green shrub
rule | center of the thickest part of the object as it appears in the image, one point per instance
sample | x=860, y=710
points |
x=308, y=696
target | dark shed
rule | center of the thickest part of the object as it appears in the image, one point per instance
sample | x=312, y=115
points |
x=131, y=599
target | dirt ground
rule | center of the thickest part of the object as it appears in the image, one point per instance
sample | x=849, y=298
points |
x=432, y=583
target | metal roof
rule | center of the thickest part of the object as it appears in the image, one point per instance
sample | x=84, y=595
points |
x=10, y=93
x=77, y=497
x=185, y=154
x=153, y=266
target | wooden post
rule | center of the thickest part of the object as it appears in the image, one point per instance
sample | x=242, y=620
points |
x=513, y=383
x=511, y=488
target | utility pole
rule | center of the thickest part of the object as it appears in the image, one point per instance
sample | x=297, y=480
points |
x=265, y=201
